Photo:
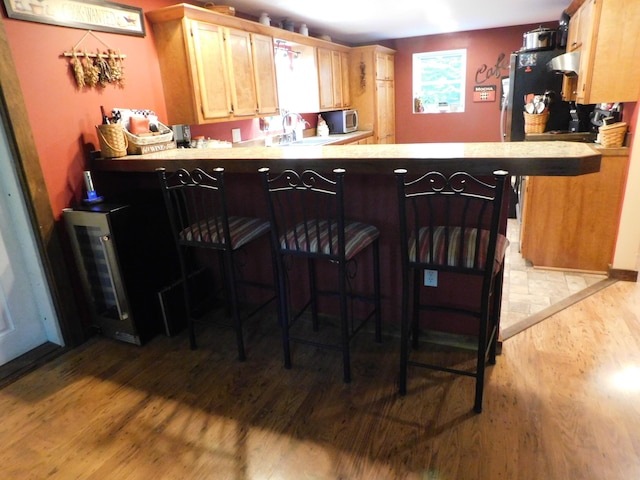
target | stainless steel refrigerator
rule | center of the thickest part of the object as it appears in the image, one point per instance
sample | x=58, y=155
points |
x=528, y=73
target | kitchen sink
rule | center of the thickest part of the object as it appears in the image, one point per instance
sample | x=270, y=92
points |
x=308, y=141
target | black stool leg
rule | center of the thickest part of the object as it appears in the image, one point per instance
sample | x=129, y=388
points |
x=404, y=334
x=344, y=323
x=283, y=309
x=376, y=281
x=234, y=304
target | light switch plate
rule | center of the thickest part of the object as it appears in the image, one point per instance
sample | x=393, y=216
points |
x=235, y=135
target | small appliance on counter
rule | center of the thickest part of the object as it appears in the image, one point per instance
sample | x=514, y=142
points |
x=182, y=135
x=605, y=114
x=580, y=118
x=341, y=121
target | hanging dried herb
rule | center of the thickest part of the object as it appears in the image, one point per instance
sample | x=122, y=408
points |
x=104, y=71
x=78, y=71
x=91, y=71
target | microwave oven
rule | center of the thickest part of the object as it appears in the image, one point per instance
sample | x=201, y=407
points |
x=341, y=121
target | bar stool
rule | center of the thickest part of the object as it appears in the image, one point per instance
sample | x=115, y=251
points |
x=306, y=210
x=450, y=225
x=198, y=214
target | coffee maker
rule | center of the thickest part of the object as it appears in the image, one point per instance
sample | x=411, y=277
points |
x=580, y=117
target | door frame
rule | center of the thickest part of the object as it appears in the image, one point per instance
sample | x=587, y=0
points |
x=47, y=233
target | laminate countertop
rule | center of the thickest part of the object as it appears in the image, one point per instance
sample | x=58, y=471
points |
x=551, y=158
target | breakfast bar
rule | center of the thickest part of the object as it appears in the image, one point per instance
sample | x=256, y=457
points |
x=370, y=187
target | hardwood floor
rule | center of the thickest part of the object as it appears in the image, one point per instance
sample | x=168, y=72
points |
x=563, y=402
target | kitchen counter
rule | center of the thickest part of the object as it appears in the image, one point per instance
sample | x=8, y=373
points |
x=518, y=158
x=371, y=187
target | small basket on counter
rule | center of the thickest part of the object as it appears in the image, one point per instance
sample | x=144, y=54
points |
x=612, y=135
x=143, y=131
x=113, y=141
x=535, y=122
x=147, y=142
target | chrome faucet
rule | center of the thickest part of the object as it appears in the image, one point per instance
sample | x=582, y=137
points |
x=285, y=124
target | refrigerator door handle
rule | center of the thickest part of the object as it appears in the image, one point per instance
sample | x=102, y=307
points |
x=117, y=285
x=503, y=119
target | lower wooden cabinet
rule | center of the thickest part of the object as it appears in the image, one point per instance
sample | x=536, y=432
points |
x=572, y=222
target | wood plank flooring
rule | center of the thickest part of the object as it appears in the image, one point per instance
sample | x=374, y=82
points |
x=563, y=402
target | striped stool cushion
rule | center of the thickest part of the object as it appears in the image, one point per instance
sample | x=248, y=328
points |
x=451, y=257
x=357, y=236
x=241, y=230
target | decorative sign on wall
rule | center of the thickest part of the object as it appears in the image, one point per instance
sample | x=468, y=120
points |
x=86, y=14
x=500, y=69
x=484, y=93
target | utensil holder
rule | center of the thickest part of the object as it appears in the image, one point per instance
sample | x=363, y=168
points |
x=535, y=122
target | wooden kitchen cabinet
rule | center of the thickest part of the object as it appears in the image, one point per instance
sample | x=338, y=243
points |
x=608, y=71
x=372, y=88
x=213, y=73
x=334, y=90
x=572, y=222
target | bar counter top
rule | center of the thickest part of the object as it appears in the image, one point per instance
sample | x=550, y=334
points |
x=552, y=158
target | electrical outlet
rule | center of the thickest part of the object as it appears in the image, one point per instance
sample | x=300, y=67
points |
x=235, y=135
x=430, y=278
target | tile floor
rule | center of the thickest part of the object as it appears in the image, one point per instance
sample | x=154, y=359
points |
x=528, y=291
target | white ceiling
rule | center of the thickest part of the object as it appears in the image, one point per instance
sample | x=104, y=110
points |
x=365, y=21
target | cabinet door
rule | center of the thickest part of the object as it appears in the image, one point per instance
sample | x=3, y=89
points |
x=245, y=101
x=384, y=66
x=325, y=78
x=212, y=86
x=346, y=91
x=608, y=34
x=572, y=222
x=386, y=113
x=336, y=76
x=264, y=71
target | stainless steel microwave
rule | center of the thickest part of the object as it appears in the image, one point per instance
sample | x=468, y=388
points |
x=341, y=121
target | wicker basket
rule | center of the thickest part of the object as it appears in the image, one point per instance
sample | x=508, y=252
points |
x=535, y=122
x=113, y=141
x=613, y=135
x=164, y=134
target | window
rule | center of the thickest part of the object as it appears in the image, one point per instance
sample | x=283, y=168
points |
x=439, y=81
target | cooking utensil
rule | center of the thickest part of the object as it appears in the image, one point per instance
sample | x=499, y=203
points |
x=539, y=39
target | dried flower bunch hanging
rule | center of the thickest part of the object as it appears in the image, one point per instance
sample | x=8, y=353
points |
x=96, y=69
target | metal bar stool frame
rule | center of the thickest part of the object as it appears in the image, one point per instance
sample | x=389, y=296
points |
x=451, y=224
x=198, y=213
x=306, y=211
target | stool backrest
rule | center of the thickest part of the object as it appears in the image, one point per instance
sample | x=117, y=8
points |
x=197, y=207
x=451, y=222
x=307, y=203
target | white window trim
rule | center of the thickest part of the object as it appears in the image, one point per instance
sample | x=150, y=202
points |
x=440, y=107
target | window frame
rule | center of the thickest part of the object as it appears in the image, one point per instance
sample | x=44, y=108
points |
x=419, y=103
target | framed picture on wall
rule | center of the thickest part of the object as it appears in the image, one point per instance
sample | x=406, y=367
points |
x=86, y=14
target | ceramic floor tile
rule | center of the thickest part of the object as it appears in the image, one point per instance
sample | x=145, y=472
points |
x=528, y=290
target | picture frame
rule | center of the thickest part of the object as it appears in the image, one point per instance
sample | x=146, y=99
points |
x=95, y=15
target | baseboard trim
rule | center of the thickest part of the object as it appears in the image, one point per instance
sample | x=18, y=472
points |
x=623, y=275
x=18, y=367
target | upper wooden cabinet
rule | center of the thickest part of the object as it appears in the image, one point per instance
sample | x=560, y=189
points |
x=210, y=72
x=608, y=70
x=333, y=79
x=372, y=90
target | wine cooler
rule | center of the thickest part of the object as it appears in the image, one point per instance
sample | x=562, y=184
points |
x=123, y=255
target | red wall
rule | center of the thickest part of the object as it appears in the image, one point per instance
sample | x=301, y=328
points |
x=63, y=117
x=480, y=121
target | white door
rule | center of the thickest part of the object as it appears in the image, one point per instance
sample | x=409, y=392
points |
x=27, y=316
